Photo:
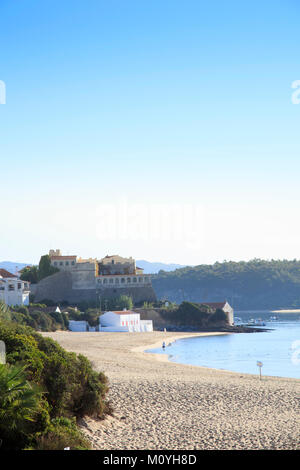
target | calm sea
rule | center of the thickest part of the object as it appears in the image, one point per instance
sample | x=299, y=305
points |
x=278, y=349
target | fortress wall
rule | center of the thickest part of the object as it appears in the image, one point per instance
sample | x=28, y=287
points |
x=138, y=294
x=59, y=287
x=53, y=287
x=83, y=276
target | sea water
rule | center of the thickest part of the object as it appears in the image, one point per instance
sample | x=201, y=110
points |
x=278, y=349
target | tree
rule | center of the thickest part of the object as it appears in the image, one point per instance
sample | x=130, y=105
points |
x=124, y=301
x=4, y=311
x=30, y=274
x=19, y=401
x=45, y=268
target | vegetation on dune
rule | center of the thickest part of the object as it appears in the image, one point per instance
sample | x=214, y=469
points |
x=254, y=284
x=44, y=390
x=36, y=316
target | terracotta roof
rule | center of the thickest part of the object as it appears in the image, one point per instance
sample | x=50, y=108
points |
x=5, y=273
x=123, y=312
x=215, y=304
x=62, y=257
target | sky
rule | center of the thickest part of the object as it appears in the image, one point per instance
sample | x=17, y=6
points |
x=163, y=130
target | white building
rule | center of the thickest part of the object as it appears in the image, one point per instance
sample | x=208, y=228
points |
x=78, y=325
x=125, y=320
x=13, y=291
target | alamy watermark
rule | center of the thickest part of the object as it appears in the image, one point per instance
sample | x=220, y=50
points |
x=2, y=92
x=2, y=353
x=296, y=93
x=126, y=220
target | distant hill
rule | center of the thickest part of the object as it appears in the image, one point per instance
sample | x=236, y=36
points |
x=149, y=268
x=256, y=284
x=154, y=268
x=12, y=266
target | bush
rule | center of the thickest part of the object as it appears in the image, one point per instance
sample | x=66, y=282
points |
x=188, y=313
x=21, y=309
x=34, y=305
x=4, y=311
x=21, y=407
x=71, y=388
x=62, y=433
x=218, y=317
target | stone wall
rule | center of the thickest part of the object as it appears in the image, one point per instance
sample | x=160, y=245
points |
x=59, y=287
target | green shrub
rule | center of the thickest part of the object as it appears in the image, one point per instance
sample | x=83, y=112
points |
x=4, y=311
x=71, y=388
x=62, y=433
x=20, y=406
x=218, y=317
x=21, y=309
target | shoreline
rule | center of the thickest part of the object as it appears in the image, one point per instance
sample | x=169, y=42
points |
x=163, y=357
x=163, y=405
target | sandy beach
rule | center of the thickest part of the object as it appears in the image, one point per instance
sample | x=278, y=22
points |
x=163, y=405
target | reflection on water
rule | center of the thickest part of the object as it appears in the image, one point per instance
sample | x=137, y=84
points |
x=278, y=349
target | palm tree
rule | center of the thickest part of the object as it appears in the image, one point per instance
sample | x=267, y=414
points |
x=4, y=311
x=19, y=401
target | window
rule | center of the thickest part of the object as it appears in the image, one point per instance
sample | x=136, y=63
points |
x=73, y=262
x=99, y=281
x=140, y=279
x=128, y=280
x=134, y=279
x=19, y=285
x=60, y=263
x=122, y=280
x=111, y=281
x=117, y=280
x=104, y=281
x=67, y=263
x=55, y=263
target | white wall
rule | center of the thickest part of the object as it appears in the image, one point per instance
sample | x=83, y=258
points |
x=77, y=326
x=14, y=291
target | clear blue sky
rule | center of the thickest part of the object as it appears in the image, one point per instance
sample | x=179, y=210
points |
x=126, y=120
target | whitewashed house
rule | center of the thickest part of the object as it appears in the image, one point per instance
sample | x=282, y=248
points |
x=124, y=320
x=13, y=291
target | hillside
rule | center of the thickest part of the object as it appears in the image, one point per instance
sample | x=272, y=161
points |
x=256, y=284
x=12, y=266
x=153, y=268
x=148, y=266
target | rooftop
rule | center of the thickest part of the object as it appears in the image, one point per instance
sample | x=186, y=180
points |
x=55, y=257
x=5, y=273
x=122, y=312
x=215, y=304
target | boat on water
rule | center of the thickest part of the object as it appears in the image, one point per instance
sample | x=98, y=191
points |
x=273, y=318
x=255, y=322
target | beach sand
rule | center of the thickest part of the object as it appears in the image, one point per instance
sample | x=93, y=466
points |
x=160, y=405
